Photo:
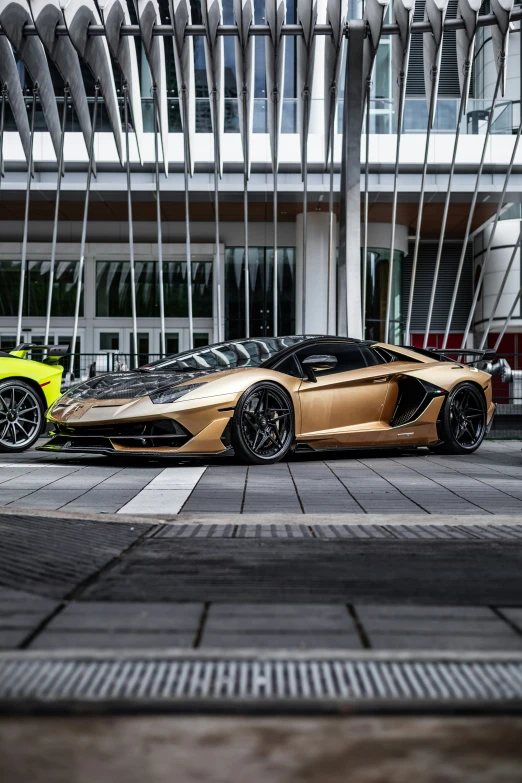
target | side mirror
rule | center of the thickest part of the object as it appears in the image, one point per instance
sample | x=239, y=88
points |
x=319, y=363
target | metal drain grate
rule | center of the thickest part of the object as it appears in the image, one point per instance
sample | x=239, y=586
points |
x=402, y=532
x=228, y=684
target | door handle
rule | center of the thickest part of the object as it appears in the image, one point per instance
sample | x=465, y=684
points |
x=381, y=379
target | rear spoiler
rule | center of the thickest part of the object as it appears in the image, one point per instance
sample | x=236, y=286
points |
x=54, y=352
x=449, y=354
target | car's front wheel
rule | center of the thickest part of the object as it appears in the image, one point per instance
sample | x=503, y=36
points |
x=263, y=424
x=21, y=416
x=462, y=424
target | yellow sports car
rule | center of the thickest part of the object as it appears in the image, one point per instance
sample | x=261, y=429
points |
x=260, y=398
x=27, y=388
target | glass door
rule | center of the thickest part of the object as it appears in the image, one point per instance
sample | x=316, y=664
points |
x=143, y=349
x=261, y=291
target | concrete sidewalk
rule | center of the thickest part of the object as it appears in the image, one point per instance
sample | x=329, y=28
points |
x=373, y=482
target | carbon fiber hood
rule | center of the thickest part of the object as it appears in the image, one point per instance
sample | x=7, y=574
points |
x=130, y=385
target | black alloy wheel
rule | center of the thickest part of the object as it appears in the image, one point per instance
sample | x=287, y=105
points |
x=21, y=416
x=263, y=424
x=463, y=420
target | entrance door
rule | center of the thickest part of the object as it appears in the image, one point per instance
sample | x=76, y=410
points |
x=261, y=291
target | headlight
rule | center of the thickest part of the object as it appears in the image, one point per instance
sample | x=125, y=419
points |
x=174, y=393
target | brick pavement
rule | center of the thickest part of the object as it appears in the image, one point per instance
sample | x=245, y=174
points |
x=420, y=483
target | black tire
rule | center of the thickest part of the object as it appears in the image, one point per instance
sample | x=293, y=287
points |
x=22, y=416
x=462, y=426
x=263, y=424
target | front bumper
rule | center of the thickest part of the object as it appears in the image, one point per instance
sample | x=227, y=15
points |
x=108, y=449
x=160, y=437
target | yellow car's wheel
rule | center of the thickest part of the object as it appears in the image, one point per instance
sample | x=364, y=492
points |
x=21, y=416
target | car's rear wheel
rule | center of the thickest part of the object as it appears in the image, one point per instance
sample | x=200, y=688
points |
x=263, y=424
x=21, y=416
x=463, y=420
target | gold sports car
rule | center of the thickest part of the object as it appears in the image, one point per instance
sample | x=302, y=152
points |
x=262, y=397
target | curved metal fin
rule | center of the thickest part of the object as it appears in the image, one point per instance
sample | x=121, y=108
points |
x=403, y=11
x=181, y=16
x=93, y=49
x=149, y=16
x=500, y=35
x=14, y=15
x=275, y=12
x=212, y=13
x=46, y=15
x=306, y=14
x=9, y=76
x=374, y=13
x=114, y=14
x=468, y=11
x=434, y=13
x=333, y=54
x=244, y=45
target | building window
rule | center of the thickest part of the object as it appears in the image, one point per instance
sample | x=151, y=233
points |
x=113, y=289
x=37, y=287
x=171, y=344
x=261, y=296
x=109, y=341
x=200, y=339
x=175, y=288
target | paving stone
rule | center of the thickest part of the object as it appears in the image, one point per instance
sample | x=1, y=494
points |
x=50, y=499
x=279, y=641
x=13, y=496
x=10, y=639
x=121, y=616
x=56, y=640
x=471, y=643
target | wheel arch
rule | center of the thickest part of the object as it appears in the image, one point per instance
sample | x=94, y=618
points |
x=29, y=382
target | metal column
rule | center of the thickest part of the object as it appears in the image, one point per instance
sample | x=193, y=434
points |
x=419, y=217
x=188, y=252
x=2, y=126
x=56, y=218
x=84, y=233
x=306, y=101
x=216, y=221
x=500, y=292
x=131, y=229
x=491, y=237
x=366, y=206
x=26, y=222
x=158, y=221
x=471, y=212
x=349, y=317
x=330, y=305
x=276, y=249
x=463, y=100
x=401, y=45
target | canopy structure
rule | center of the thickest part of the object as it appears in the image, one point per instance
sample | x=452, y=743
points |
x=57, y=40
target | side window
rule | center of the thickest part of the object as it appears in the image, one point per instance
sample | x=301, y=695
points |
x=348, y=355
x=372, y=357
x=288, y=366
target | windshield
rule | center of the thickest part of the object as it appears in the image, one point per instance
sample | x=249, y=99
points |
x=226, y=356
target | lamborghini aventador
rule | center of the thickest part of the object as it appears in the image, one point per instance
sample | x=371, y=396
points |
x=261, y=398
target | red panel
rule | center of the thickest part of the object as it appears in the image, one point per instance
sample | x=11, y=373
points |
x=436, y=339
